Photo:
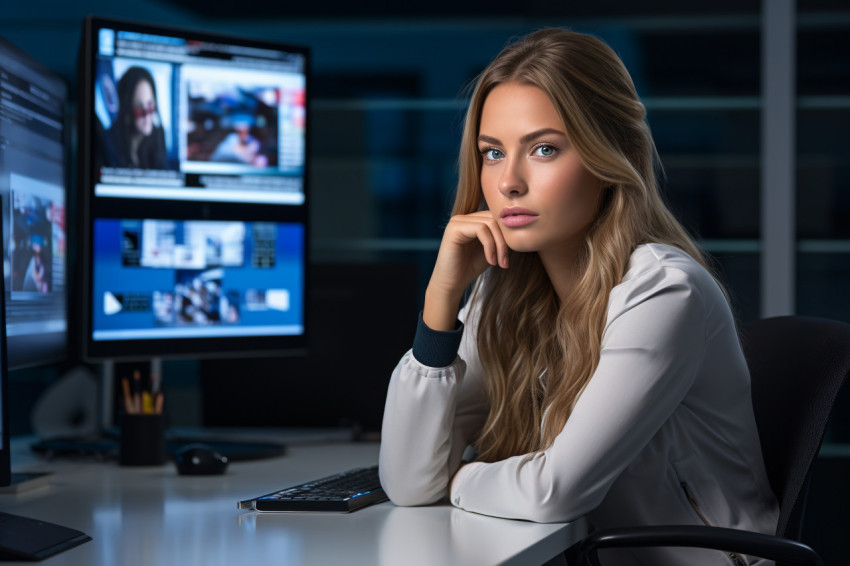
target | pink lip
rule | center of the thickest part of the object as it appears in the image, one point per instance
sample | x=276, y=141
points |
x=515, y=217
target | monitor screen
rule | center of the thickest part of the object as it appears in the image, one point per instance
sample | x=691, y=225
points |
x=33, y=189
x=194, y=180
x=164, y=280
x=224, y=121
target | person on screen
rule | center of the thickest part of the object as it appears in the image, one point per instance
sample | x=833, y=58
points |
x=595, y=369
x=137, y=136
x=240, y=146
x=36, y=277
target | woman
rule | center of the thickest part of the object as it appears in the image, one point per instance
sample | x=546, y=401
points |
x=596, y=368
x=137, y=136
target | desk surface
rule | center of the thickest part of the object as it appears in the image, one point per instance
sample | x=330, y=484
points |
x=151, y=515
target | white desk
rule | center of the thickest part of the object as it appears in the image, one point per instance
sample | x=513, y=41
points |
x=152, y=516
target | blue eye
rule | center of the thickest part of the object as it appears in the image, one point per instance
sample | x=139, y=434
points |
x=545, y=150
x=492, y=154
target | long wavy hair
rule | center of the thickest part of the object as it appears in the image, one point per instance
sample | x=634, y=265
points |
x=538, y=369
x=151, y=152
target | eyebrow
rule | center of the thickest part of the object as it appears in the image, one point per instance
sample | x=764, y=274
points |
x=524, y=139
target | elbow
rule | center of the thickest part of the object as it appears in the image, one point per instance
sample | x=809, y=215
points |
x=406, y=493
x=561, y=500
x=408, y=498
x=555, y=513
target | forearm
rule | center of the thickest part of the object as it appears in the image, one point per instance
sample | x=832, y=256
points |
x=434, y=407
x=441, y=308
x=416, y=439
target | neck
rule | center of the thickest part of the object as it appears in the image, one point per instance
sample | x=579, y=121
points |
x=562, y=268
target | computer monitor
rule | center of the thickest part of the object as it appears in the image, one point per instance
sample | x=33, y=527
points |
x=193, y=178
x=33, y=190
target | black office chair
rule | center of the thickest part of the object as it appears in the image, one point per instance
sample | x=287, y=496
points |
x=798, y=366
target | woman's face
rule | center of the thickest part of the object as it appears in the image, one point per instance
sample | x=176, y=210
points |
x=144, y=108
x=533, y=181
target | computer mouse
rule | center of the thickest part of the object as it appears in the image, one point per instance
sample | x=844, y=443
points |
x=199, y=460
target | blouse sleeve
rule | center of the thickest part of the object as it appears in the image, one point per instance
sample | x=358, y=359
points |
x=651, y=350
x=432, y=414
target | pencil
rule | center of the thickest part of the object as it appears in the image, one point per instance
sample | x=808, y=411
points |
x=128, y=400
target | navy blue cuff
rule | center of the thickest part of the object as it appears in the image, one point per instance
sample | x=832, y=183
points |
x=435, y=348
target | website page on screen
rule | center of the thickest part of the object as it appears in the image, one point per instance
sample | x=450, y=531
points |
x=157, y=278
x=225, y=122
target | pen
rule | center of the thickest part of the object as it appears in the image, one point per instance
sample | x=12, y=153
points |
x=145, y=399
x=128, y=399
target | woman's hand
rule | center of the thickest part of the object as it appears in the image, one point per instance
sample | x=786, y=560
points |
x=471, y=243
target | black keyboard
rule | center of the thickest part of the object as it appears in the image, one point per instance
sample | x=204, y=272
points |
x=342, y=493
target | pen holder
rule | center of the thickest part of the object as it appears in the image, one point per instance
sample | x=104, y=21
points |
x=142, y=439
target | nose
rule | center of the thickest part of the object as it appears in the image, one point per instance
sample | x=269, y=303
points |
x=512, y=179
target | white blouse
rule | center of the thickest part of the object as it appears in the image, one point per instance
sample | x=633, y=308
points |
x=664, y=432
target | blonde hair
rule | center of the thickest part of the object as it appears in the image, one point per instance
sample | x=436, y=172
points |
x=550, y=342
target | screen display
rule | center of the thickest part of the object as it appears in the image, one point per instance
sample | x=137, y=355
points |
x=33, y=192
x=197, y=118
x=165, y=279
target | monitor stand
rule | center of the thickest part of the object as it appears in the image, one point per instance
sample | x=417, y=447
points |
x=26, y=481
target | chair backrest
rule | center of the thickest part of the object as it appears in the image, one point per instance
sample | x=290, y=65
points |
x=798, y=366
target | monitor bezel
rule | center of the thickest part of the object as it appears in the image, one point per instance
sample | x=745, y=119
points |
x=93, y=207
x=5, y=449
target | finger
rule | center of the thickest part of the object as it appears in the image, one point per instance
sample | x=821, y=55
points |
x=498, y=255
x=501, y=245
x=484, y=233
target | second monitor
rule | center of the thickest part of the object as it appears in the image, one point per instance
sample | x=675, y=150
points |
x=194, y=193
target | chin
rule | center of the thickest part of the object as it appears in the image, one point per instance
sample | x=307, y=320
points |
x=522, y=247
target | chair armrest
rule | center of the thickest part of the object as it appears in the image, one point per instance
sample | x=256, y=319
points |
x=718, y=538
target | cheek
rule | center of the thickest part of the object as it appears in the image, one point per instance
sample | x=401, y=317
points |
x=489, y=184
x=488, y=178
x=580, y=193
x=592, y=198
